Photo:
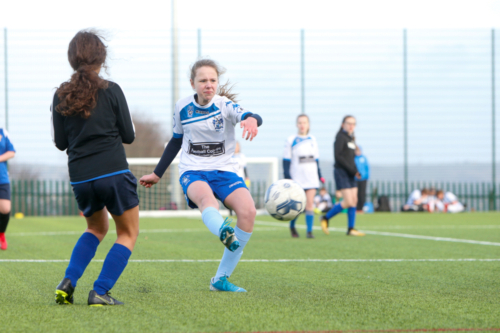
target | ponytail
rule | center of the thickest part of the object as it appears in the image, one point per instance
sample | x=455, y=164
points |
x=78, y=96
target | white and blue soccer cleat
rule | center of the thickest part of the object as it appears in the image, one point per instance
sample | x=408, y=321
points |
x=224, y=285
x=227, y=236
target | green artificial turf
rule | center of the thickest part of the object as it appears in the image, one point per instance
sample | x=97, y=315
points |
x=282, y=296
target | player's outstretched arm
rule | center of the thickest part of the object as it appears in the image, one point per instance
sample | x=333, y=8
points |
x=149, y=180
x=173, y=147
x=250, y=126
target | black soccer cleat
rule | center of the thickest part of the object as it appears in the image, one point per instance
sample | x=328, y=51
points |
x=101, y=300
x=310, y=234
x=294, y=233
x=64, y=292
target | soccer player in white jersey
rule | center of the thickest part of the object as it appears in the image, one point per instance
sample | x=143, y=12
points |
x=204, y=128
x=301, y=163
x=448, y=202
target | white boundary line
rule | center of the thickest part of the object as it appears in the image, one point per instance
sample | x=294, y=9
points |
x=391, y=234
x=143, y=231
x=396, y=227
x=261, y=260
x=274, y=224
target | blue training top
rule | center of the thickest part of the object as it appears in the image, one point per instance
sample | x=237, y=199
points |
x=363, y=167
x=5, y=146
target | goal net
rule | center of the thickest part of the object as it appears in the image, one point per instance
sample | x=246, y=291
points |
x=167, y=198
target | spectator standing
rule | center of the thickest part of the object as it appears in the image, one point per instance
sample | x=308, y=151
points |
x=364, y=170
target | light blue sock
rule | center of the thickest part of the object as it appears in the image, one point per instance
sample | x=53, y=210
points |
x=114, y=264
x=82, y=254
x=334, y=211
x=309, y=220
x=292, y=223
x=213, y=220
x=231, y=259
x=351, y=217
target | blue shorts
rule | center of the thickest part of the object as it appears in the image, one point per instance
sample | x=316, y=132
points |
x=343, y=180
x=5, y=191
x=117, y=193
x=222, y=183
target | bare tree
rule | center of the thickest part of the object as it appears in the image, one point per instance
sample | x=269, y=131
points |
x=24, y=171
x=150, y=138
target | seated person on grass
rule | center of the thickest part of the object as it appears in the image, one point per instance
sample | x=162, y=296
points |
x=417, y=202
x=322, y=202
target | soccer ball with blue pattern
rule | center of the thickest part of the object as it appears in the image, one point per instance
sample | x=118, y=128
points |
x=285, y=200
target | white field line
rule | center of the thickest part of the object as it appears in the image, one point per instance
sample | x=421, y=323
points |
x=396, y=227
x=143, y=231
x=391, y=234
x=260, y=260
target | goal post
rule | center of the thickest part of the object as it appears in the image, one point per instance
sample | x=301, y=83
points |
x=166, y=199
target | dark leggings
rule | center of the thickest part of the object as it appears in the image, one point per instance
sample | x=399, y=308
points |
x=361, y=194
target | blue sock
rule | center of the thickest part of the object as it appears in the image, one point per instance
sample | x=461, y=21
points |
x=309, y=220
x=114, y=264
x=334, y=211
x=231, y=259
x=292, y=223
x=83, y=252
x=212, y=219
x=351, y=217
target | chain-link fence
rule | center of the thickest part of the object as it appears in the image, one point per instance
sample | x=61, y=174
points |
x=424, y=99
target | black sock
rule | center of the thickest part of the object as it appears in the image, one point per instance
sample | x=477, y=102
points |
x=4, y=220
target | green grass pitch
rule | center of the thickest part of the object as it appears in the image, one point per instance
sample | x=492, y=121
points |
x=297, y=294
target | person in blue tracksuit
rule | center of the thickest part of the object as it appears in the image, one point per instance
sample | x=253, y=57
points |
x=7, y=152
x=364, y=170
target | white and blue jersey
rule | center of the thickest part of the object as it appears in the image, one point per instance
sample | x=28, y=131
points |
x=207, y=132
x=5, y=146
x=303, y=154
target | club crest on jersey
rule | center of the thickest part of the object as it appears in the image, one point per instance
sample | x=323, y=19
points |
x=218, y=122
x=190, y=111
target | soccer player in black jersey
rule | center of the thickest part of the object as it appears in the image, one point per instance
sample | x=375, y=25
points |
x=91, y=120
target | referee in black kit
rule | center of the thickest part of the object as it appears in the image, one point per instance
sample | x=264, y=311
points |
x=344, y=172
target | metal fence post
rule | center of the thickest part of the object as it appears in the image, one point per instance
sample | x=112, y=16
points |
x=302, y=73
x=405, y=110
x=6, y=84
x=493, y=127
x=199, y=43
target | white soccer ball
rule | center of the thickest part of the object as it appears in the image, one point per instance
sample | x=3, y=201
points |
x=285, y=200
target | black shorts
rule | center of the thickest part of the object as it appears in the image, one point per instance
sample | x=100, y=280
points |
x=5, y=191
x=117, y=193
x=343, y=180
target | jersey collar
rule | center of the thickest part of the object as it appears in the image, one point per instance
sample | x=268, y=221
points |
x=203, y=106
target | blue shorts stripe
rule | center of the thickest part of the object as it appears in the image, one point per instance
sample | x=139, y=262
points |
x=100, y=177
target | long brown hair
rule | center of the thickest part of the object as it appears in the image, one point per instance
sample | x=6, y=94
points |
x=86, y=55
x=222, y=90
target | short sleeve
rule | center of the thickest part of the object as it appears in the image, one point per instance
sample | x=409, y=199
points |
x=287, y=153
x=8, y=145
x=178, y=130
x=233, y=111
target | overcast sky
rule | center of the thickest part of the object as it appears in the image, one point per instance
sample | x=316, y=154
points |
x=255, y=14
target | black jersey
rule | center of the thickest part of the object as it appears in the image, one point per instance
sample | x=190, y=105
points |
x=94, y=145
x=344, y=152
